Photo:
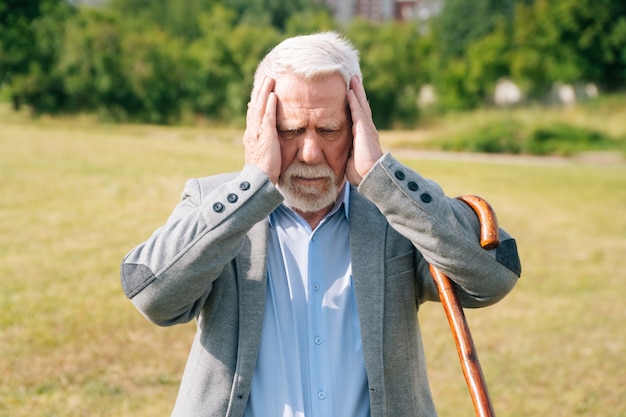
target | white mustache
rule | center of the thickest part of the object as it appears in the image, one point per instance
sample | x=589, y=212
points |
x=309, y=171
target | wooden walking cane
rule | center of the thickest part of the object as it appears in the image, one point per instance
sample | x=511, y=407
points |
x=489, y=239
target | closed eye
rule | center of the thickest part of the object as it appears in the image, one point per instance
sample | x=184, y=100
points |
x=290, y=133
x=329, y=133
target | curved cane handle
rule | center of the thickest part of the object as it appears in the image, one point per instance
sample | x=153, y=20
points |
x=489, y=231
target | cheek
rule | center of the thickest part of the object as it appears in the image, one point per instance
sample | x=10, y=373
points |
x=338, y=156
x=288, y=152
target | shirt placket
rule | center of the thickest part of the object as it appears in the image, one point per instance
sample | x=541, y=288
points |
x=320, y=403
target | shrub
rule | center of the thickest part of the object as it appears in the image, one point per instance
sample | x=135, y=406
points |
x=564, y=139
x=500, y=137
x=512, y=137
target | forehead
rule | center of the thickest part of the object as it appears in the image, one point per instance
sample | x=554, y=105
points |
x=321, y=98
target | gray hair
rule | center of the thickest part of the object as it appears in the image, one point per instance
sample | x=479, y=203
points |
x=310, y=57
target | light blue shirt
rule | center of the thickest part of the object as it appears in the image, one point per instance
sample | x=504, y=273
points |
x=310, y=360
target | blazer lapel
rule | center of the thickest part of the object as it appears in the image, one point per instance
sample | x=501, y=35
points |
x=252, y=281
x=367, y=237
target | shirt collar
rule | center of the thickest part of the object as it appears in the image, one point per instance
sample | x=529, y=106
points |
x=342, y=199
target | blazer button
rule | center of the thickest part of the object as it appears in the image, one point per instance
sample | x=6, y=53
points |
x=426, y=198
x=413, y=186
x=399, y=175
x=218, y=207
x=232, y=198
x=244, y=186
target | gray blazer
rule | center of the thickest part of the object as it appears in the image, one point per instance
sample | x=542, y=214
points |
x=208, y=262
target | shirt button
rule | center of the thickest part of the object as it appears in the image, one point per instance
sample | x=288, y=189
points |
x=321, y=394
x=232, y=198
x=316, y=287
x=399, y=175
x=318, y=340
x=413, y=186
x=218, y=207
x=426, y=198
x=244, y=186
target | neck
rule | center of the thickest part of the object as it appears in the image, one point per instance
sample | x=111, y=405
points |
x=313, y=218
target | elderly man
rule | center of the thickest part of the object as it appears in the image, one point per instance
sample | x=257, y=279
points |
x=305, y=270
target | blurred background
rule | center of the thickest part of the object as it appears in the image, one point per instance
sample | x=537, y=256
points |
x=167, y=61
x=107, y=107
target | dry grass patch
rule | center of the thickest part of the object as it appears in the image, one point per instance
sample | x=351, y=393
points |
x=76, y=196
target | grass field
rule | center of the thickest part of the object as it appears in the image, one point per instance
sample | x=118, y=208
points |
x=75, y=196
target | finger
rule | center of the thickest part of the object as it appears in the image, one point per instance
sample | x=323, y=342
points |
x=269, y=115
x=256, y=106
x=360, y=117
x=359, y=91
x=257, y=91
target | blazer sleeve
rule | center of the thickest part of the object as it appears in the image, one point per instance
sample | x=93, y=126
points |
x=445, y=231
x=169, y=276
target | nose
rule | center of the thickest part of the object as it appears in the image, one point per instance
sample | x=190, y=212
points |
x=310, y=151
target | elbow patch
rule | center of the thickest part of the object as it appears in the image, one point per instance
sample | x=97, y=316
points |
x=135, y=278
x=507, y=255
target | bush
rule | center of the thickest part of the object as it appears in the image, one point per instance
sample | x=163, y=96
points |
x=565, y=139
x=500, y=137
x=511, y=137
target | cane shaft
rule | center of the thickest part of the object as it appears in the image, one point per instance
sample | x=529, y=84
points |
x=468, y=356
x=465, y=347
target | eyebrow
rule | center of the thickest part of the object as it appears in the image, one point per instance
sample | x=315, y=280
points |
x=287, y=125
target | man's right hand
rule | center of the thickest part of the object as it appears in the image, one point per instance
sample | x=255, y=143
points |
x=260, y=139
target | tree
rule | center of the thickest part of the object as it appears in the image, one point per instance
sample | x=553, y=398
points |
x=463, y=22
x=472, y=48
x=27, y=42
x=571, y=41
x=392, y=69
x=272, y=12
x=488, y=60
x=16, y=34
x=179, y=18
x=310, y=21
x=90, y=65
x=155, y=67
x=224, y=59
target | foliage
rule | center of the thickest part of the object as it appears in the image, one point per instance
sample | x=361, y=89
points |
x=274, y=12
x=179, y=18
x=510, y=136
x=92, y=71
x=391, y=69
x=309, y=21
x=122, y=74
x=224, y=60
x=30, y=36
x=570, y=41
x=166, y=61
x=501, y=137
x=18, y=37
x=462, y=23
x=473, y=40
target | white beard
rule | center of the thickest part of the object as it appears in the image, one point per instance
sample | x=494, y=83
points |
x=308, y=198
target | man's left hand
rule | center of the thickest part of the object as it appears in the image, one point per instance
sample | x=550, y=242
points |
x=366, y=149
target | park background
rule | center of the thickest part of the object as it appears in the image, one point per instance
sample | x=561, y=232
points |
x=107, y=108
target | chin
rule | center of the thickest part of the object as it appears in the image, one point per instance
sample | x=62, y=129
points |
x=310, y=199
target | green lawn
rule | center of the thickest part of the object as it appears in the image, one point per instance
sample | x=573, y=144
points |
x=75, y=196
